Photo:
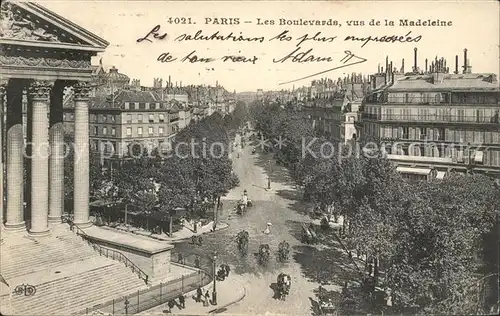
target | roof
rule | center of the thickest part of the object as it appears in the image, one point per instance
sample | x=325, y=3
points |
x=444, y=81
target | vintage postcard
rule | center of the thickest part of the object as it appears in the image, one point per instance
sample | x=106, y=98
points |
x=249, y=157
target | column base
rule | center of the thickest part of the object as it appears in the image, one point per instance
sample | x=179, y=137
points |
x=15, y=226
x=39, y=234
x=84, y=224
x=55, y=220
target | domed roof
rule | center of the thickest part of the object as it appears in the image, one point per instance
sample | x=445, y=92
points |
x=113, y=76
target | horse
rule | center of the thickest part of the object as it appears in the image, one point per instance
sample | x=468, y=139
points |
x=264, y=253
x=283, y=251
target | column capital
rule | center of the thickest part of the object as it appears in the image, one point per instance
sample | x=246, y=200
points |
x=40, y=90
x=3, y=85
x=82, y=90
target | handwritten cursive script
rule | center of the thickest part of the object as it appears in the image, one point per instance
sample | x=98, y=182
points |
x=299, y=55
x=216, y=36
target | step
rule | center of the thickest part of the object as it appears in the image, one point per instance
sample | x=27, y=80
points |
x=27, y=268
x=76, y=289
x=98, y=292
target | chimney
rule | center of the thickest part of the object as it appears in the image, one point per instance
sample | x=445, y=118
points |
x=456, y=64
x=391, y=73
x=169, y=82
x=469, y=67
x=465, y=60
x=403, y=65
x=378, y=68
x=415, y=60
x=426, y=68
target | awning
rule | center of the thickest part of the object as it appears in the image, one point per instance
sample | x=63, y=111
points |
x=440, y=175
x=410, y=170
x=479, y=156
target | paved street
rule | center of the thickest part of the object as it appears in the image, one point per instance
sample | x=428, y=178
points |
x=279, y=206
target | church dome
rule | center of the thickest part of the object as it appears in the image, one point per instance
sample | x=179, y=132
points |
x=113, y=77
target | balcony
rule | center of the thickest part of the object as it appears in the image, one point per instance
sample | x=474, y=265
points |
x=433, y=118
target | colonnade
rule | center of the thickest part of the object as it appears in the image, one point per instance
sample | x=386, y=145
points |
x=46, y=151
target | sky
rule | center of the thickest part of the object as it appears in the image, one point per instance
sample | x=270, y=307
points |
x=475, y=26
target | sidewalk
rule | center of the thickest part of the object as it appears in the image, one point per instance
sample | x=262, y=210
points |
x=229, y=292
x=184, y=233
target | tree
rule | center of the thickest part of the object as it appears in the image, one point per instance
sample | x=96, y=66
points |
x=177, y=188
x=132, y=182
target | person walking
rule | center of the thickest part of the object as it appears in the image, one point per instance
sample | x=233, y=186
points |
x=207, y=298
x=182, y=301
x=197, y=262
x=199, y=293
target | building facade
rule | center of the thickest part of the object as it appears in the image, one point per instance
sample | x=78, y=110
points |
x=434, y=122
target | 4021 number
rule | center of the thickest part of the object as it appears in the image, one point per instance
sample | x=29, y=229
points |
x=180, y=21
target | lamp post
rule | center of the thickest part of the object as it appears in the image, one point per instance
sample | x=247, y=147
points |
x=214, y=293
x=469, y=166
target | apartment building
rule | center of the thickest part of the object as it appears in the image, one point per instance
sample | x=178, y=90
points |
x=434, y=122
x=334, y=107
x=122, y=114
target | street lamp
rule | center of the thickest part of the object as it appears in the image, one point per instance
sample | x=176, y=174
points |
x=214, y=293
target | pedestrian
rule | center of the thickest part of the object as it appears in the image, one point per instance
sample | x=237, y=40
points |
x=197, y=262
x=171, y=304
x=200, y=241
x=199, y=293
x=182, y=301
x=180, y=258
x=228, y=269
x=207, y=298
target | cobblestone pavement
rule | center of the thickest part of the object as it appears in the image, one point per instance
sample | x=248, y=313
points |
x=281, y=207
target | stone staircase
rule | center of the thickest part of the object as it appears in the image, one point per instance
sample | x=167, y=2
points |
x=69, y=276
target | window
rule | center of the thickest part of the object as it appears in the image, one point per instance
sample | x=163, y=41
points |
x=139, y=118
x=479, y=116
x=129, y=131
x=462, y=98
x=112, y=118
x=440, y=134
x=96, y=130
x=150, y=130
x=405, y=132
x=139, y=131
x=152, y=106
x=104, y=118
x=92, y=117
x=129, y=118
x=113, y=131
x=160, y=130
x=104, y=130
x=461, y=115
x=142, y=106
x=151, y=118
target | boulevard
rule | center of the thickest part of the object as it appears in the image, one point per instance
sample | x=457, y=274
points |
x=308, y=265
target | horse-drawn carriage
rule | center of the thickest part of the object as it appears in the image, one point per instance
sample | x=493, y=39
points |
x=264, y=253
x=308, y=233
x=242, y=241
x=243, y=203
x=284, y=283
x=283, y=251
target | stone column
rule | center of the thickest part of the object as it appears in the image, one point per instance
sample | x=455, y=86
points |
x=81, y=162
x=15, y=151
x=56, y=159
x=3, y=87
x=40, y=92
